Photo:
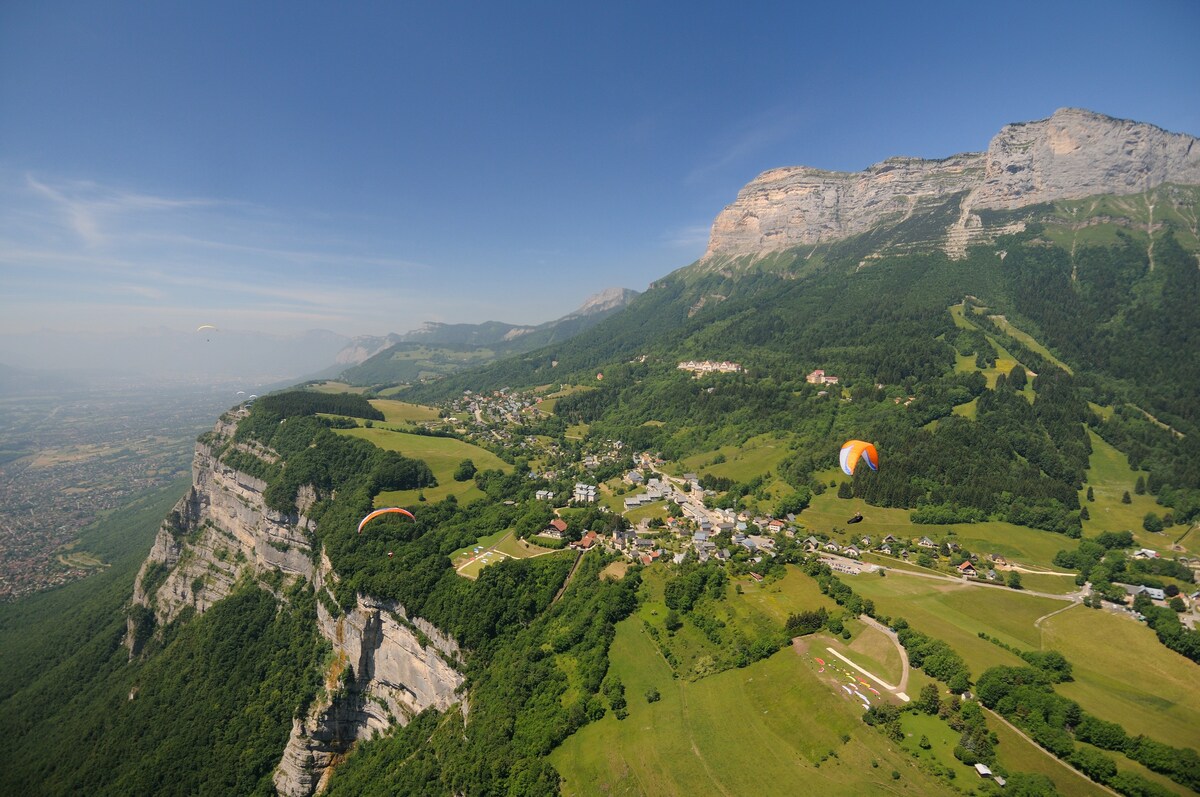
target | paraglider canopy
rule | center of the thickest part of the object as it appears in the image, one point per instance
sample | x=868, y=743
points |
x=203, y=327
x=379, y=512
x=856, y=519
x=853, y=450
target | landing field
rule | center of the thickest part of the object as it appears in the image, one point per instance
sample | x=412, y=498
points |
x=442, y=454
x=678, y=745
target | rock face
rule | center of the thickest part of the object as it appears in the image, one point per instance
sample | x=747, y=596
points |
x=1072, y=155
x=387, y=666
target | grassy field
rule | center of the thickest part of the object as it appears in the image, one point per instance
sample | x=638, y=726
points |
x=1123, y=674
x=1029, y=342
x=494, y=547
x=1019, y=755
x=442, y=454
x=755, y=457
x=403, y=412
x=680, y=745
x=335, y=387
x=1110, y=477
x=956, y=613
x=1016, y=543
x=758, y=610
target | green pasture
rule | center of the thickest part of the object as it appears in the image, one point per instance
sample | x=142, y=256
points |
x=828, y=514
x=957, y=613
x=1110, y=477
x=679, y=744
x=1124, y=674
x=756, y=456
x=1045, y=582
x=759, y=610
x=334, y=387
x=1020, y=755
x=656, y=509
x=404, y=412
x=1029, y=342
x=968, y=409
x=442, y=454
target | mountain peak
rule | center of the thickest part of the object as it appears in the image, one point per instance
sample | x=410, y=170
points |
x=1073, y=154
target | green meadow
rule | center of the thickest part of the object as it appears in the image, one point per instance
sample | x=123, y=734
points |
x=756, y=456
x=404, y=412
x=828, y=514
x=1110, y=476
x=681, y=744
x=442, y=454
x=1122, y=673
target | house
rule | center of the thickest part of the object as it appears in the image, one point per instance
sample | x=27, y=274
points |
x=1154, y=593
x=819, y=377
x=558, y=524
x=983, y=770
x=890, y=539
x=865, y=542
x=992, y=575
x=586, y=542
x=831, y=546
x=885, y=549
x=755, y=576
x=1145, y=553
x=634, y=477
x=925, y=542
x=644, y=543
x=544, y=495
x=852, y=551
x=997, y=559
x=584, y=493
x=967, y=570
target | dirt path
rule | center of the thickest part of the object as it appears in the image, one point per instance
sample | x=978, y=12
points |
x=567, y=580
x=1053, y=757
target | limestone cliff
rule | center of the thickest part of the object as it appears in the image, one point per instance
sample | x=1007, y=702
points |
x=1072, y=155
x=385, y=666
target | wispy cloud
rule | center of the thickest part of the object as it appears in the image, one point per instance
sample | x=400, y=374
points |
x=86, y=205
x=746, y=139
x=691, y=237
x=71, y=244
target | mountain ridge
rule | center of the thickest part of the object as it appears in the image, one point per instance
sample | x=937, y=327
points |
x=1073, y=154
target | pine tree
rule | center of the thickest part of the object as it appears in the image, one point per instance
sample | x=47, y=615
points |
x=1091, y=496
x=1140, y=487
x=1125, y=499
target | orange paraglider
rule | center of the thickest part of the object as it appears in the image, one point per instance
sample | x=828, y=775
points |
x=379, y=512
x=853, y=450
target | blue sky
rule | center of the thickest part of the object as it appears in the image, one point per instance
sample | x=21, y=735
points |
x=368, y=167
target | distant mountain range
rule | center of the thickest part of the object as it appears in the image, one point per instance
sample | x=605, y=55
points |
x=436, y=349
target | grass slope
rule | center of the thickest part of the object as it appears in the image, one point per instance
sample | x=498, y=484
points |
x=681, y=745
x=442, y=454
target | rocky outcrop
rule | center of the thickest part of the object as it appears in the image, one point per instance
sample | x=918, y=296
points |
x=1072, y=155
x=387, y=669
x=385, y=666
x=218, y=531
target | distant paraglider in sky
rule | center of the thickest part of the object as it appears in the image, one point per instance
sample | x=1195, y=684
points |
x=207, y=329
x=852, y=451
x=385, y=511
